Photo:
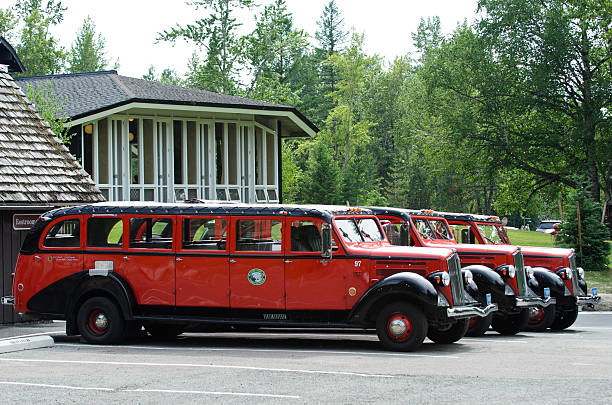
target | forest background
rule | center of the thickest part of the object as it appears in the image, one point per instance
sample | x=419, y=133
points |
x=508, y=115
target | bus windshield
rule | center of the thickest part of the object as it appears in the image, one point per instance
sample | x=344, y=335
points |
x=432, y=229
x=354, y=230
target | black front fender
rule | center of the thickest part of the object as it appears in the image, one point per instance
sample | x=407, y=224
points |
x=547, y=278
x=403, y=286
x=488, y=281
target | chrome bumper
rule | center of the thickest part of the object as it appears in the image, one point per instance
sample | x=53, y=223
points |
x=524, y=302
x=8, y=301
x=468, y=312
x=591, y=300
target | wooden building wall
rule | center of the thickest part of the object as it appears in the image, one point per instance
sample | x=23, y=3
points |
x=10, y=243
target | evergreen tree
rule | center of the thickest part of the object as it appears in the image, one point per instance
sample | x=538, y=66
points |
x=217, y=34
x=168, y=76
x=87, y=53
x=593, y=253
x=322, y=181
x=38, y=50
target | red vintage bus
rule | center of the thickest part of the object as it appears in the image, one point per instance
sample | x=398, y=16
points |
x=110, y=268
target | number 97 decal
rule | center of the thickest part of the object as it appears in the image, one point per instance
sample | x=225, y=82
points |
x=357, y=263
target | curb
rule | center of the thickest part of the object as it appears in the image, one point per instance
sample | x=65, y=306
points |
x=26, y=343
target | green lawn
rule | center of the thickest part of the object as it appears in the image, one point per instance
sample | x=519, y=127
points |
x=530, y=238
x=600, y=279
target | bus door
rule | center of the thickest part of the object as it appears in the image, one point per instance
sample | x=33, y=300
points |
x=202, y=267
x=150, y=261
x=311, y=282
x=257, y=275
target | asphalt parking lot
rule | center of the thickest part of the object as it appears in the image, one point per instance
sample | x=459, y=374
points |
x=323, y=367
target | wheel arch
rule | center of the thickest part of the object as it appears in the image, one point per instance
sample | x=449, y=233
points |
x=405, y=286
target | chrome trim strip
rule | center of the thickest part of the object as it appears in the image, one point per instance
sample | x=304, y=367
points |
x=8, y=300
x=582, y=301
x=519, y=267
x=468, y=312
x=524, y=302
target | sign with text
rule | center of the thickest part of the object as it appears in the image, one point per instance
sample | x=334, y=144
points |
x=23, y=222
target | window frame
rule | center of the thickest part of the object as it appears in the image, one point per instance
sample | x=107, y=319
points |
x=127, y=222
x=182, y=249
x=50, y=226
x=234, y=236
x=111, y=248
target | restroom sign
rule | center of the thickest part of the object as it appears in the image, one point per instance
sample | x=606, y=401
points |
x=23, y=222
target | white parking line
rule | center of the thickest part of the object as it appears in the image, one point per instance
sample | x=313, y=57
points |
x=494, y=340
x=221, y=349
x=216, y=366
x=71, y=387
x=33, y=334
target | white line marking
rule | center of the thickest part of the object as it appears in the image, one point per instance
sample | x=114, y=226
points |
x=581, y=364
x=578, y=328
x=71, y=387
x=67, y=387
x=594, y=313
x=217, y=366
x=33, y=334
x=494, y=340
x=221, y=349
x=243, y=394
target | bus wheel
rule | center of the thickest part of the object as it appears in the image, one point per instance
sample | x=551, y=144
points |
x=450, y=333
x=479, y=326
x=401, y=327
x=540, y=318
x=100, y=321
x=511, y=324
x=564, y=319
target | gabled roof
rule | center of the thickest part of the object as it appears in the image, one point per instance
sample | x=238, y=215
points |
x=35, y=166
x=90, y=93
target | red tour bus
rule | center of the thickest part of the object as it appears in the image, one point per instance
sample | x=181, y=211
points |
x=111, y=268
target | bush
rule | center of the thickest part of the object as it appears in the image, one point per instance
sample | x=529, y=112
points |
x=594, y=253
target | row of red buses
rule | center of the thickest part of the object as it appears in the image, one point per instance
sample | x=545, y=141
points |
x=112, y=268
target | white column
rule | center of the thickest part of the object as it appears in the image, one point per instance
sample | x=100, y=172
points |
x=156, y=163
x=251, y=164
x=212, y=153
x=198, y=135
x=140, y=158
x=125, y=153
x=95, y=175
x=112, y=161
x=170, y=160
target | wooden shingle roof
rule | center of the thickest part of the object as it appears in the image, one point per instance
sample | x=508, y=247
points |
x=35, y=166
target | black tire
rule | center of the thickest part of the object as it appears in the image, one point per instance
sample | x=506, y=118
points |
x=479, y=326
x=564, y=319
x=450, y=334
x=510, y=324
x=165, y=331
x=412, y=319
x=100, y=321
x=540, y=319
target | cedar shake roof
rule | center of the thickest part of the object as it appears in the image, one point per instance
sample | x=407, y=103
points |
x=89, y=93
x=35, y=166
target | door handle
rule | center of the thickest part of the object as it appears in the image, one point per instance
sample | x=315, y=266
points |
x=178, y=259
x=36, y=257
x=232, y=261
x=288, y=261
x=125, y=258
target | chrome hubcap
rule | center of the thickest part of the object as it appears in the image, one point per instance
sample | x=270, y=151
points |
x=397, y=327
x=101, y=322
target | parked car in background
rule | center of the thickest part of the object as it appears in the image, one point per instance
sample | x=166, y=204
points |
x=547, y=226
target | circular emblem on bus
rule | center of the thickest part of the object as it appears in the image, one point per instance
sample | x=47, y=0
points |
x=19, y=287
x=257, y=277
x=352, y=291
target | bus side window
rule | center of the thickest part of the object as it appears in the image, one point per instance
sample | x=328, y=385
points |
x=64, y=234
x=204, y=233
x=151, y=233
x=104, y=232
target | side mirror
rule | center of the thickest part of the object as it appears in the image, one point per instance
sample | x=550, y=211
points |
x=404, y=235
x=326, y=241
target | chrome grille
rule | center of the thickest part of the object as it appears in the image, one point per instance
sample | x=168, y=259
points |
x=574, y=269
x=456, y=279
x=521, y=280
